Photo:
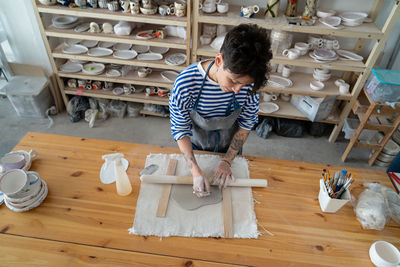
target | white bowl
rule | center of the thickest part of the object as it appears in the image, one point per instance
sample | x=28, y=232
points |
x=325, y=13
x=384, y=254
x=317, y=85
x=321, y=77
x=321, y=71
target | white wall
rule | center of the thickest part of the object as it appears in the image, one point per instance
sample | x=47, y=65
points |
x=24, y=34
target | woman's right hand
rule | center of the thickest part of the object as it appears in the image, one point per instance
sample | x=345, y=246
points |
x=201, y=185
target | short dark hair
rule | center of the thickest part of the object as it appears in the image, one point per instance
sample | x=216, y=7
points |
x=246, y=51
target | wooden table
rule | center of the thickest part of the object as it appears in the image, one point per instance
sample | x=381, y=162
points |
x=83, y=221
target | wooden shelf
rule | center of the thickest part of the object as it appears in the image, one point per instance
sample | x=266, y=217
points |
x=301, y=86
x=288, y=111
x=303, y=61
x=118, y=15
x=136, y=97
x=171, y=42
x=153, y=79
x=233, y=18
x=57, y=53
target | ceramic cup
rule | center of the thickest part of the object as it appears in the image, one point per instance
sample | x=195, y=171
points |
x=92, y=3
x=384, y=254
x=285, y=97
x=180, y=4
x=280, y=68
x=82, y=84
x=291, y=53
x=344, y=88
x=287, y=70
x=17, y=183
x=221, y=29
x=108, y=86
x=180, y=12
x=12, y=161
x=164, y=10
x=72, y=83
x=129, y=89
x=205, y=40
x=162, y=92
x=223, y=7
x=125, y=5
x=249, y=11
x=208, y=6
x=113, y=6
x=102, y=3
x=150, y=91
x=135, y=7
x=143, y=72
x=339, y=82
x=97, y=85
x=302, y=47
x=269, y=97
x=147, y=4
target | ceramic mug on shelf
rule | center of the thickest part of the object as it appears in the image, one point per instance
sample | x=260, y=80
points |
x=147, y=4
x=222, y=7
x=287, y=70
x=129, y=89
x=135, y=7
x=269, y=97
x=92, y=3
x=82, y=84
x=208, y=6
x=125, y=5
x=180, y=12
x=302, y=47
x=150, y=91
x=102, y=3
x=249, y=11
x=180, y=4
x=97, y=85
x=108, y=86
x=72, y=83
x=164, y=10
x=143, y=72
x=291, y=53
x=344, y=88
x=162, y=92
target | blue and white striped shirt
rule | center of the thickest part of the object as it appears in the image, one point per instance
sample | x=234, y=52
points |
x=212, y=104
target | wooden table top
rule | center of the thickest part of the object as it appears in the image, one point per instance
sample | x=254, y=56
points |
x=83, y=221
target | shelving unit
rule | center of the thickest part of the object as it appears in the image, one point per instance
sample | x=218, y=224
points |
x=57, y=57
x=356, y=73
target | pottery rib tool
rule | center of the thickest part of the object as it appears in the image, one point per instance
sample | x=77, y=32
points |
x=170, y=179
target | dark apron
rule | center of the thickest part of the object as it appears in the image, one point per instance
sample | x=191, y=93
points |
x=214, y=134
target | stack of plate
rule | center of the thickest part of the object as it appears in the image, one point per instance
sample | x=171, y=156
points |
x=353, y=18
x=65, y=22
x=323, y=55
x=93, y=68
x=344, y=54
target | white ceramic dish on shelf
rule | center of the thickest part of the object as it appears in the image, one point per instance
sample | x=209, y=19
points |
x=118, y=91
x=268, y=107
x=64, y=20
x=99, y=52
x=113, y=73
x=150, y=56
x=175, y=59
x=349, y=55
x=317, y=85
x=169, y=75
x=146, y=35
x=122, y=46
x=89, y=43
x=125, y=54
x=93, y=68
x=82, y=27
x=72, y=41
x=141, y=48
x=74, y=49
x=322, y=60
x=71, y=67
x=332, y=22
x=106, y=44
x=66, y=26
x=279, y=82
x=325, y=13
x=159, y=49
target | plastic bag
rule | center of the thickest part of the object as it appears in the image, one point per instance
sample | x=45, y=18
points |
x=265, y=127
x=77, y=107
x=117, y=108
x=134, y=109
x=103, y=110
x=376, y=205
x=289, y=128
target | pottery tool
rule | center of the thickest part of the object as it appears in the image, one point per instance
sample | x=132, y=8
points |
x=166, y=191
x=169, y=179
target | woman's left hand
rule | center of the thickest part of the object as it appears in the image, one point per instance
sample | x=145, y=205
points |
x=223, y=175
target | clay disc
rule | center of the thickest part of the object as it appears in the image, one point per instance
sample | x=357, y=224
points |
x=183, y=195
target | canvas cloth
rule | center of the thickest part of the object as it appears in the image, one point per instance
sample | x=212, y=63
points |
x=206, y=221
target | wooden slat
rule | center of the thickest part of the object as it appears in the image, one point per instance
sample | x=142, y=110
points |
x=166, y=190
x=227, y=212
x=367, y=146
x=81, y=210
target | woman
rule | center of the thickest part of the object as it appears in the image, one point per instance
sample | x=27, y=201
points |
x=214, y=103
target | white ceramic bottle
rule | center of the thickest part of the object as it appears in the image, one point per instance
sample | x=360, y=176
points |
x=123, y=184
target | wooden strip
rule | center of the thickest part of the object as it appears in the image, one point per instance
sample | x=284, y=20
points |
x=170, y=179
x=227, y=212
x=166, y=191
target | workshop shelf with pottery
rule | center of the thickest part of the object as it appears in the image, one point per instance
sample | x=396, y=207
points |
x=116, y=49
x=316, y=66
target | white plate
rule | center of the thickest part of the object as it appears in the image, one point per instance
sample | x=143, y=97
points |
x=106, y=44
x=82, y=27
x=66, y=26
x=322, y=60
x=324, y=54
x=125, y=54
x=93, y=68
x=349, y=55
x=89, y=43
x=158, y=49
x=99, y=52
x=353, y=16
x=268, y=107
x=332, y=22
x=175, y=59
x=118, y=91
x=146, y=35
x=71, y=67
x=278, y=81
x=74, y=49
x=113, y=73
x=34, y=205
x=141, y=48
x=72, y=41
x=169, y=75
x=64, y=20
x=150, y=56
x=121, y=46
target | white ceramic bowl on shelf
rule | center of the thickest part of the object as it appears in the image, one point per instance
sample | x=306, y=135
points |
x=317, y=85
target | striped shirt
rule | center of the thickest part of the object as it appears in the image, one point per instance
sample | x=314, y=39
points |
x=212, y=104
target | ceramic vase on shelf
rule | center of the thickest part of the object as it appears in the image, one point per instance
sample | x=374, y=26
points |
x=272, y=8
x=291, y=8
x=310, y=9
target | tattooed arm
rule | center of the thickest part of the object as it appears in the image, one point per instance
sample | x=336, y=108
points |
x=200, y=181
x=224, y=173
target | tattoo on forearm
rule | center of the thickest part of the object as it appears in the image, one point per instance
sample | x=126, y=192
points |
x=237, y=143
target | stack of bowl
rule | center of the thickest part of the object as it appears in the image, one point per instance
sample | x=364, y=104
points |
x=321, y=75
